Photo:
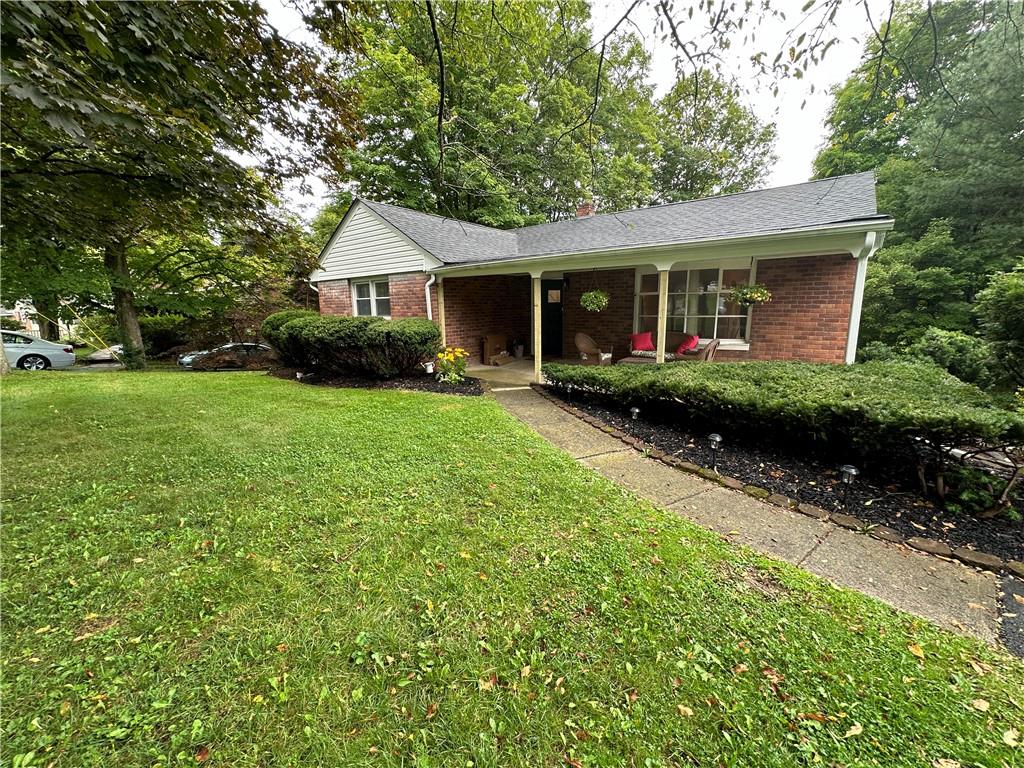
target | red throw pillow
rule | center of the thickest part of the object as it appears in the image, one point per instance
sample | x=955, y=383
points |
x=641, y=342
x=689, y=343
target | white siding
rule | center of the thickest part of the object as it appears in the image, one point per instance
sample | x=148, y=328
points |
x=365, y=246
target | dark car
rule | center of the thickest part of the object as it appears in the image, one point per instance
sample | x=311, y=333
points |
x=233, y=356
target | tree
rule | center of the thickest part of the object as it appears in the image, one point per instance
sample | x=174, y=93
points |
x=125, y=118
x=937, y=110
x=711, y=143
x=500, y=114
x=1000, y=307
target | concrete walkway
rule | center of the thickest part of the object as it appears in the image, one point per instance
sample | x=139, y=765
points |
x=950, y=594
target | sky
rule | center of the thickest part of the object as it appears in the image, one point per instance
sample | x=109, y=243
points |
x=798, y=113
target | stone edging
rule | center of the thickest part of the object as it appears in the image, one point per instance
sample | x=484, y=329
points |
x=969, y=557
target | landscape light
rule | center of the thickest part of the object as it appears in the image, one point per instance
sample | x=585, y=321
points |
x=634, y=412
x=850, y=474
x=716, y=443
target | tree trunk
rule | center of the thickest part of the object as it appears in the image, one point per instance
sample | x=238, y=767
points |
x=5, y=367
x=116, y=263
x=46, y=314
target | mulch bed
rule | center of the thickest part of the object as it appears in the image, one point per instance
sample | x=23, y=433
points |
x=876, y=497
x=419, y=382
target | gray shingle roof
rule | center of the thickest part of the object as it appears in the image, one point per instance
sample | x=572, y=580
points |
x=811, y=204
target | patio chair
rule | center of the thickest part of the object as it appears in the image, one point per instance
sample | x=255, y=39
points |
x=590, y=353
x=707, y=354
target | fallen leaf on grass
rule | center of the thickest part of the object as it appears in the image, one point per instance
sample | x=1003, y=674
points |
x=944, y=762
x=980, y=704
x=815, y=716
x=916, y=649
x=203, y=755
x=486, y=684
x=525, y=671
x=739, y=669
x=980, y=667
x=1011, y=738
x=431, y=710
x=687, y=712
x=855, y=730
x=282, y=647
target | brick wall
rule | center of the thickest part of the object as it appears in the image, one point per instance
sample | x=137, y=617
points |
x=335, y=298
x=407, y=299
x=808, y=317
x=610, y=328
x=476, y=306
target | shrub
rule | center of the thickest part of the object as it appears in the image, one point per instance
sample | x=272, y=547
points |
x=399, y=346
x=368, y=345
x=877, y=350
x=271, y=332
x=162, y=332
x=876, y=410
x=10, y=324
x=966, y=357
x=451, y=365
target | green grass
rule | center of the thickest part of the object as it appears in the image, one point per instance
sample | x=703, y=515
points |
x=248, y=571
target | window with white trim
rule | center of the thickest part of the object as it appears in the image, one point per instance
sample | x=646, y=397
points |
x=371, y=298
x=698, y=303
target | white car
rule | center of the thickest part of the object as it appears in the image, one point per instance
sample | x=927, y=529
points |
x=32, y=354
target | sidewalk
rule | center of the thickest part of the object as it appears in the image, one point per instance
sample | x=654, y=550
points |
x=952, y=595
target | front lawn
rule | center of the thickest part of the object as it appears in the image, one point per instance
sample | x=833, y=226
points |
x=232, y=569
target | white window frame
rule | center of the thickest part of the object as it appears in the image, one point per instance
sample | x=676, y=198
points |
x=373, y=297
x=721, y=266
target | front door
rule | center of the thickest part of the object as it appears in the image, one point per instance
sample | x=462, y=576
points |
x=551, y=317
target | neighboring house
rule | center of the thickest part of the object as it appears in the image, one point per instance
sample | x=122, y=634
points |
x=665, y=268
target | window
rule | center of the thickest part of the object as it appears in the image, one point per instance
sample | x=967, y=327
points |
x=372, y=297
x=698, y=303
x=12, y=338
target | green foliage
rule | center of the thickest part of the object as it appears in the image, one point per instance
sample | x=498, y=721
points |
x=748, y=295
x=711, y=143
x=10, y=324
x=402, y=344
x=966, y=357
x=271, y=331
x=367, y=345
x=937, y=113
x=161, y=332
x=871, y=408
x=1000, y=307
x=594, y=301
x=912, y=287
x=343, y=560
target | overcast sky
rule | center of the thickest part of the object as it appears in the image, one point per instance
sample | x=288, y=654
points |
x=800, y=130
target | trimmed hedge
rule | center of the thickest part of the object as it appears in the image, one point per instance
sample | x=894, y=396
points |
x=367, y=345
x=870, y=407
x=271, y=333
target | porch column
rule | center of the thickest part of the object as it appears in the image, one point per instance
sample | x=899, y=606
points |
x=662, y=313
x=440, y=310
x=537, y=351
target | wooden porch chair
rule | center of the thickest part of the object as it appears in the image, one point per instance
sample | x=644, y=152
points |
x=707, y=354
x=590, y=353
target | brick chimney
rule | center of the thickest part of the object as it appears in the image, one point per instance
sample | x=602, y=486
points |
x=585, y=209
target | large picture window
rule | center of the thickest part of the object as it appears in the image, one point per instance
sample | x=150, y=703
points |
x=372, y=298
x=698, y=303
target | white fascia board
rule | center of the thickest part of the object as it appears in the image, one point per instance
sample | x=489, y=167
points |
x=812, y=241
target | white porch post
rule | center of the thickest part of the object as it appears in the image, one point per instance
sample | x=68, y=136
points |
x=440, y=310
x=537, y=350
x=662, y=313
x=872, y=242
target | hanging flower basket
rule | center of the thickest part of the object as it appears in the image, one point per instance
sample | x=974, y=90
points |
x=594, y=301
x=749, y=295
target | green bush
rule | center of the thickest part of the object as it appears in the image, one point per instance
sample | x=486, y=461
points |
x=271, y=332
x=875, y=409
x=966, y=357
x=367, y=345
x=162, y=332
x=10, y=324
x=1000, y=307
x=401, y=345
